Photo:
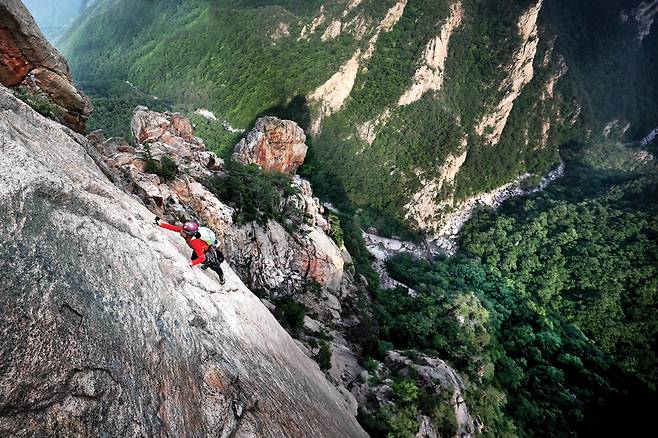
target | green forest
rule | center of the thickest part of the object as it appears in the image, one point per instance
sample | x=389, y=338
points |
x=223, y=56
x=232, y=57
x=217, y=55
x=585, y=250
x=550, y=309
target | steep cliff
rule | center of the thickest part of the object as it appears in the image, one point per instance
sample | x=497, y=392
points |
x=287, y=259
x=519, y=73
x=107, y=332
x=429, y=76
x=29, y=63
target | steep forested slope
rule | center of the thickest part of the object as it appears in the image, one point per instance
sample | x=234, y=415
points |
x=224, y=55
x=416, y=105
x=550, y=309
x=357, y=66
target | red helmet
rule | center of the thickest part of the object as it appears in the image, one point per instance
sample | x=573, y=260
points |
x=190, y=227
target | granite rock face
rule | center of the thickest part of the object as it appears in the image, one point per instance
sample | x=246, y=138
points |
x=273, y=144
x=169, y=128
x=276, y=260
x=29, y=62
x=105, y=331
x=270, y=257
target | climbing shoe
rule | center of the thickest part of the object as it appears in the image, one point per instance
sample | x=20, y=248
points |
x=222, y=281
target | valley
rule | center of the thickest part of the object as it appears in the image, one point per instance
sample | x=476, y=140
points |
x=450, y=207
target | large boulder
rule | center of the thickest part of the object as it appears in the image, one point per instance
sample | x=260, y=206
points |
x=170, y=134
x=29, y=62
x=273, y=144
x=105, y=330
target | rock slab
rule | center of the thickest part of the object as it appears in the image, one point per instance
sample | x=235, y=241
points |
x=104, y=329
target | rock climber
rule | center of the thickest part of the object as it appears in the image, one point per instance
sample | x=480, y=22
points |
x=202, y=254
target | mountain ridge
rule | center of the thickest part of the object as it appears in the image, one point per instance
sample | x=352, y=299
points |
x=351, y=41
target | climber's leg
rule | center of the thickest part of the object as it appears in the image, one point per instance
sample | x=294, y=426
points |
x=217, y=268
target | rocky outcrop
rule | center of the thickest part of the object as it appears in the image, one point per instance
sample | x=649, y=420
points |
x=433, y=208
x=309, y=29
x=333, y=31
x=331, y=95
x=179, y=199
x=273, y=144
x=368, y=130
x=275, y=260
x=391, y=18
x=426, y=429
x=435, y=375
x=107, y=332
x=429, y=76
x=279, y=258
x=644, y=15
x=615, y=128
x=282, y=31
x=351, y=6
x=170, y=135
x=29, y=62
x=149, y=127
x=519, y=73
x=382, y=248
x=206, y=114
x=557, y=72
x=424, y=205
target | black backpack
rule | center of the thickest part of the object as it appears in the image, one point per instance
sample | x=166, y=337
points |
x=214, y=256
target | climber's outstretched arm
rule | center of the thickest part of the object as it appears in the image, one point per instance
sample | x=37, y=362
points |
x=170, y=227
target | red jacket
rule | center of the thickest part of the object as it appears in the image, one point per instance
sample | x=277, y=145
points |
x=199, y=246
